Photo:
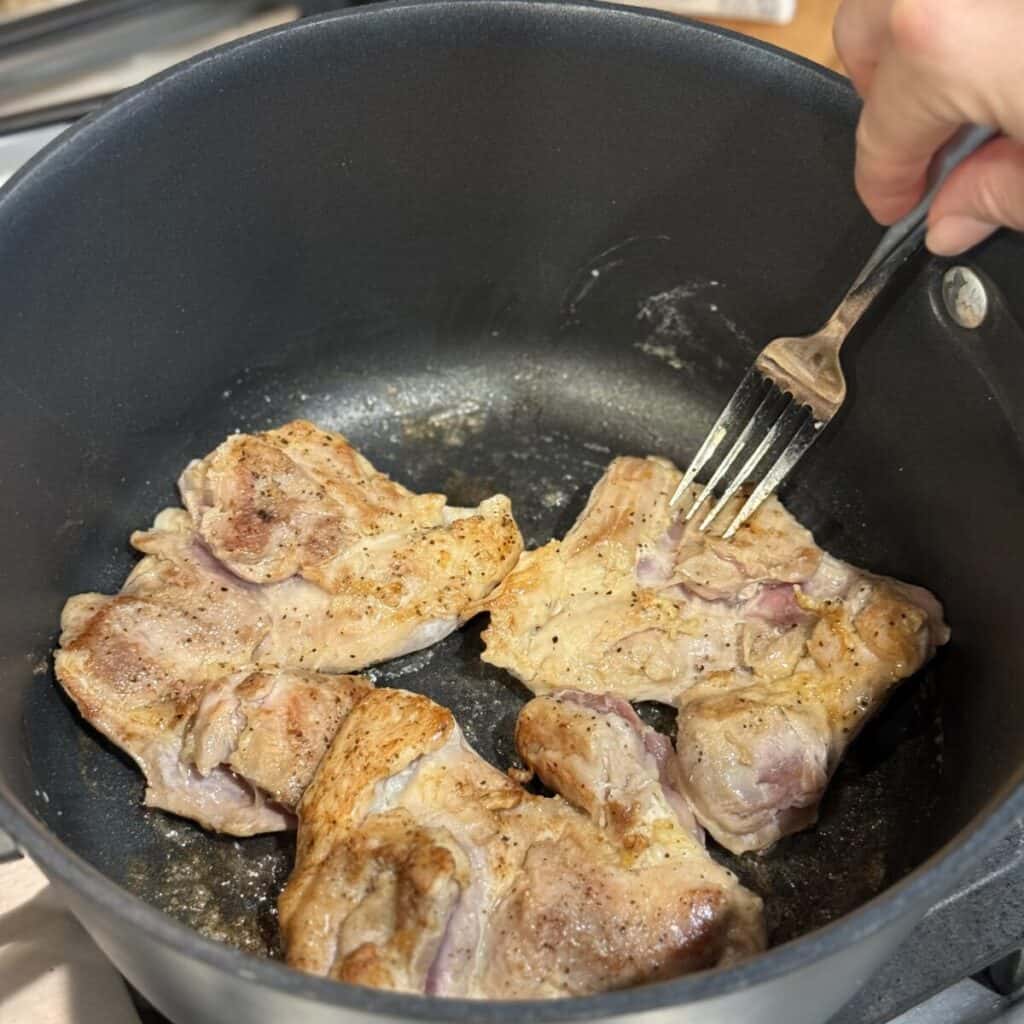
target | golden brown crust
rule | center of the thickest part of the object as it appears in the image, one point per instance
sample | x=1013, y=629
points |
x=573, y=925
x=271, y=728
x=354, y=568
x=198, y=667
x=891, y=628
x=420, y=867
x=554, y=743
x=414, y=872
x=385, y=893
x=628, y=503
x=164, y=669
x=282, y=503
x=385, y=733
x=638, y=603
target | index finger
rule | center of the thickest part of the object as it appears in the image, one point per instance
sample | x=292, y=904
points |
x=903, y=123
x=860, y=32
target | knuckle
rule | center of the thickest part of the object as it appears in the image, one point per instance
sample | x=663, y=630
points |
x=872, y=160
x=864, y=137
x=921, y=26
x=867, y=146
x=842, y=27
x=885, y=163
x=992, y=201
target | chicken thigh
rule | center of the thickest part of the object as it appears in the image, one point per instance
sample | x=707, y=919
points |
x=295, y=559
x=774, y=652
x=359, y=569
x=165, y=669
x=422, y=868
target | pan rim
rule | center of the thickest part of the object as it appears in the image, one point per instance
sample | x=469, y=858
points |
x=928, y=881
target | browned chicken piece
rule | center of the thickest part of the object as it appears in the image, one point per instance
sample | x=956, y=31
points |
x=165, y=670
x=371, y=571
x=421, y=868
x=757, y=749
x=774, y=652
x=210, y=668
x=594, y=750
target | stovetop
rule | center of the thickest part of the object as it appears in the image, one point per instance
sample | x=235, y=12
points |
x=961, y=964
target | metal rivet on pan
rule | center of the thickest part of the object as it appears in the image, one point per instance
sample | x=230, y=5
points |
x=964, y=296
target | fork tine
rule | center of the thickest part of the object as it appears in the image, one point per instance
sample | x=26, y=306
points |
x=755, y=425
x=752, y=462
x=748, y=389
x=806, y=434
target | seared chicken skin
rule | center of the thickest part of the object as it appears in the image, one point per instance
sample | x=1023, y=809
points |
x=166, y=670
x=295, y=559
x=775, y=653
x=421, y=868
x=370, y=570
x=594, y=750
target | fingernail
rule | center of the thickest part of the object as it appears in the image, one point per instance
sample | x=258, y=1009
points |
x=954, y=234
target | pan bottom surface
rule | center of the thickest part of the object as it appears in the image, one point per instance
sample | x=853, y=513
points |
x=543, y=437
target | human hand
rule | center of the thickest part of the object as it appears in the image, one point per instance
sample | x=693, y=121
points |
x=924, y=69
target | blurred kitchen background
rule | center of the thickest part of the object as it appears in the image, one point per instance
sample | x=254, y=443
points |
x=60, y=59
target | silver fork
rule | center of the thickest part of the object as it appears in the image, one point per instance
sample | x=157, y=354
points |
x=796, y=385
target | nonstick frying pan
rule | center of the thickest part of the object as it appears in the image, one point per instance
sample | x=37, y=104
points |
x=494, y=243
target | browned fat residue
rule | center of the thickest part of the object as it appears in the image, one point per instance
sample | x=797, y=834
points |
x=225, y=889
x=465, y=490
x=452, y=427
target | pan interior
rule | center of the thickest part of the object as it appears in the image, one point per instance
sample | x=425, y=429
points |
x=539, y=426
x=545, y=237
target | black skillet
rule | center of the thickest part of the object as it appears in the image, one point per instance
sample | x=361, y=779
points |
x=494, y=243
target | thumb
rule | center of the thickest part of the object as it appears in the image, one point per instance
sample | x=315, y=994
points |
x=985, y=192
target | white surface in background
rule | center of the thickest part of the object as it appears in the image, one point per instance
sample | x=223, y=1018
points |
x=777, y=12
x=51, y=972
x=16, y=149
x=134, y=69
x=22, y=8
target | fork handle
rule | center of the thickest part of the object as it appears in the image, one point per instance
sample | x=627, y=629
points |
x=810, y=365
x=906, y=235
